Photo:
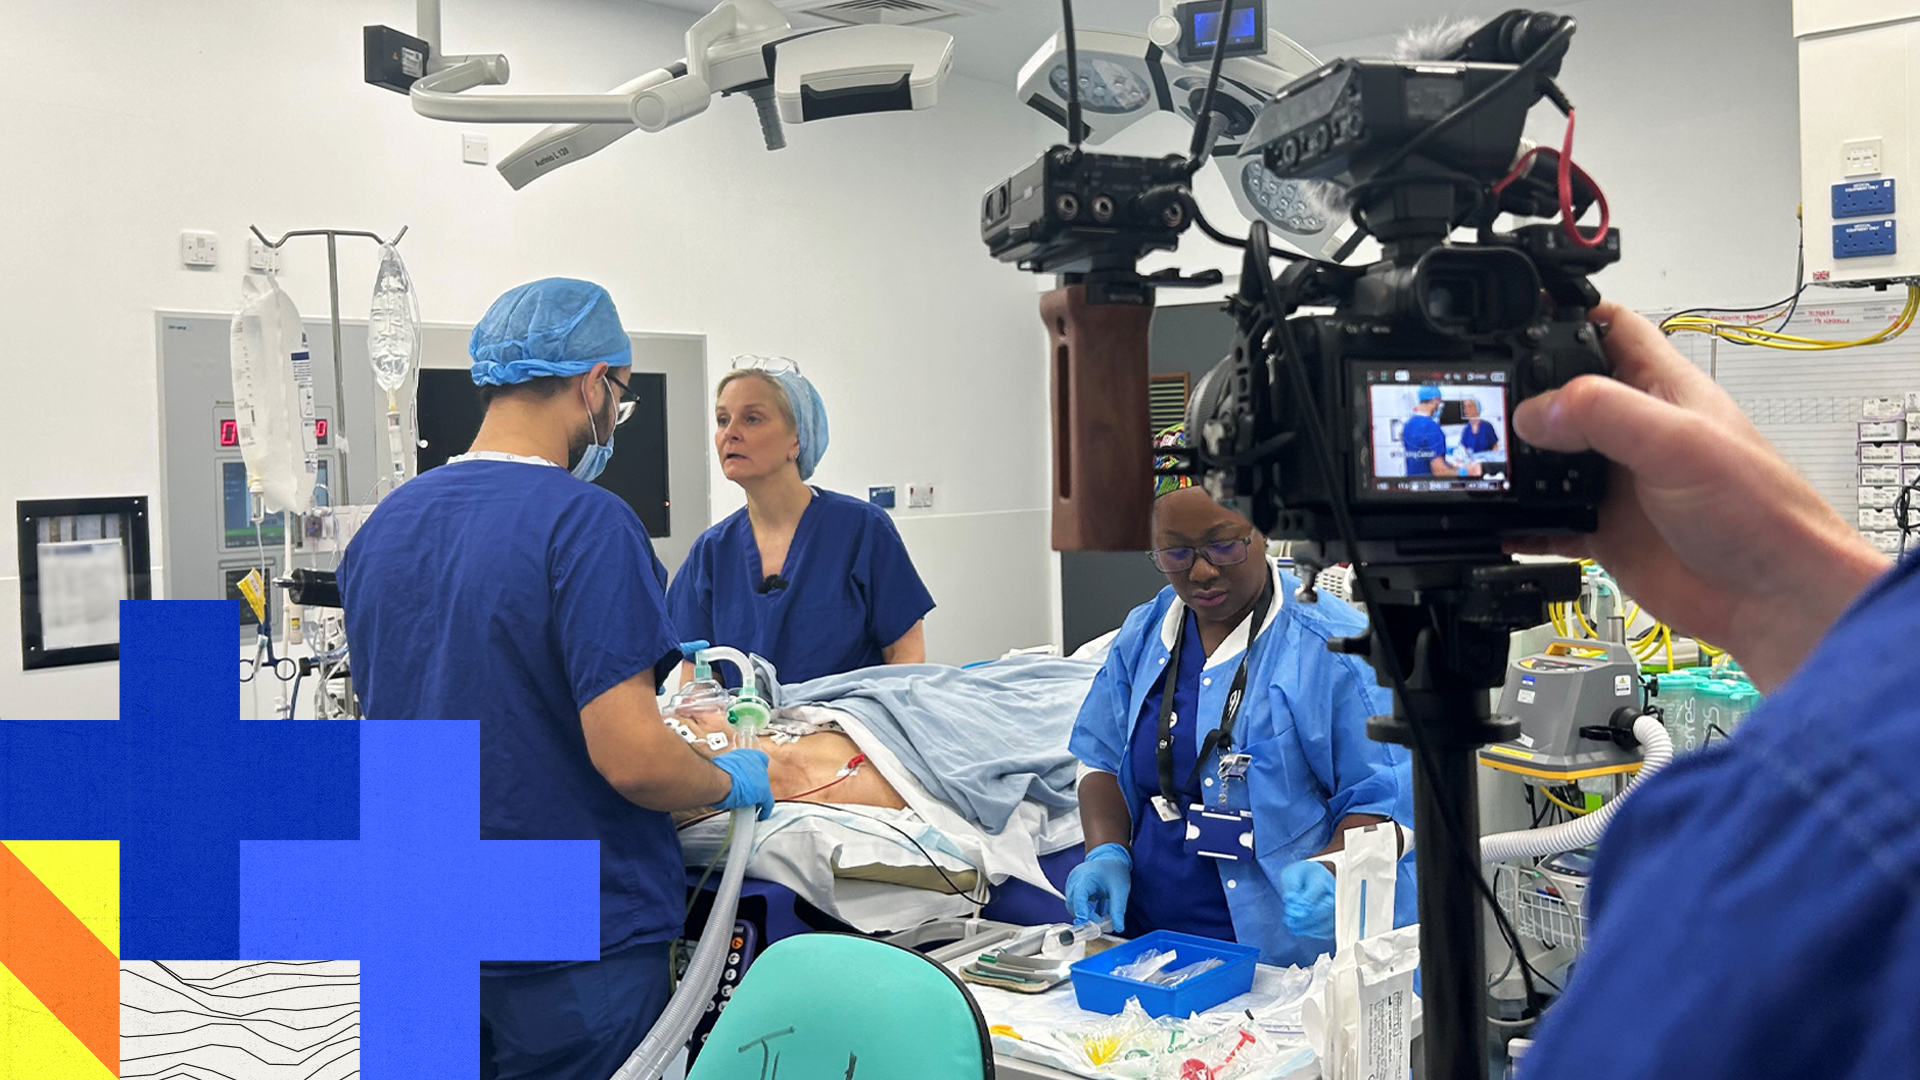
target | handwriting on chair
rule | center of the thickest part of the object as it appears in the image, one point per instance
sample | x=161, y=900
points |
x=770, y=1059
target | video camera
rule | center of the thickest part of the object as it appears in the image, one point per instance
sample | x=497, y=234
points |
x=1316, y=415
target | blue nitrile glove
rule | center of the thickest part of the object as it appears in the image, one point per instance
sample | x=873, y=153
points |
x=1099, y=886
x=1306, y=892
x=748, y=768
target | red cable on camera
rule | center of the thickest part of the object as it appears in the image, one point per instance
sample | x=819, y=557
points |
x=1567, y=170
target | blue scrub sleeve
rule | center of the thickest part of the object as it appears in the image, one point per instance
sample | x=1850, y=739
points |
x=896, y=597
x=1725, y=896
x=1332, y=698
x=1099, y=739
x=690, y=597
x=608, y=610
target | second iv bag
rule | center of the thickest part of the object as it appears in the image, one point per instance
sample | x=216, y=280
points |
x=393, y=346
x=393, y=327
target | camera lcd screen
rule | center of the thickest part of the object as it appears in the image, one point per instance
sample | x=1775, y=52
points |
x=1436, y=432
x=1243, y=27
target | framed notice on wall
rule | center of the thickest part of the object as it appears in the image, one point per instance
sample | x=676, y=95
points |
x=78, y=559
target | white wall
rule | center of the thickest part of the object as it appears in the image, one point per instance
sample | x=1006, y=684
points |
x=855, y=251
x=1688, y=118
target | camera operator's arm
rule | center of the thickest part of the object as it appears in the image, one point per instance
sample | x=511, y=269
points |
x=1704, y=524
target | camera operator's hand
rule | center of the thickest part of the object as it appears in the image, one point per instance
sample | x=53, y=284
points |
x=1704, y=524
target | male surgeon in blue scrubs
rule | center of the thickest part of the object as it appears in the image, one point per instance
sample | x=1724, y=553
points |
x=505, y=588
x=1425, y=441
x=1756, y=908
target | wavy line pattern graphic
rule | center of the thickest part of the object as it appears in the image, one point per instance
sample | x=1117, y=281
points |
x=228, y=1020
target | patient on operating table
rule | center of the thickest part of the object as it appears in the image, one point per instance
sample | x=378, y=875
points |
x=805, y=763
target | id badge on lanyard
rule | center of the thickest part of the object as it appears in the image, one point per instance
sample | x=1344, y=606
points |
x=1218, y=831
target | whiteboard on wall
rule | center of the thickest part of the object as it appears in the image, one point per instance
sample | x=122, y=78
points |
x=1808, y=403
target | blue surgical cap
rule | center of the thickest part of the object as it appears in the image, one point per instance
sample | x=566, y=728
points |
x=809, y=418
x=554, y=326
x=1429, y=393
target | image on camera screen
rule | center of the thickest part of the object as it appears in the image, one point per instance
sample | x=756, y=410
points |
x=1437, y=431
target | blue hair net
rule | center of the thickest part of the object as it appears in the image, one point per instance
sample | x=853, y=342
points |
x=1429, y=393
x=554, y=326
x=809, y=417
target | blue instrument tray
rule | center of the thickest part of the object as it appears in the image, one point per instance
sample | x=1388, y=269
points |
x=1099, y=990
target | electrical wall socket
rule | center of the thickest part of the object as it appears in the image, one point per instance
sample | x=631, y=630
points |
x=920, y=497
x=473, y=149
x=1860, y=157
x=199, y=248
x=262, y=259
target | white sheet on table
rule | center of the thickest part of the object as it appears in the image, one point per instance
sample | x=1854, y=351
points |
x=799, y=846
x=1275, y=1002
x=1014, y=852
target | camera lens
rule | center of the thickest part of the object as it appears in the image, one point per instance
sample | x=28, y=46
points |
x=1067, y=205
x=1289, y=152
x=1103, y=208
x=1318, y=140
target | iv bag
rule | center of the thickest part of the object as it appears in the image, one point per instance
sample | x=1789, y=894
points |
x=393, y=327
x=273, y=394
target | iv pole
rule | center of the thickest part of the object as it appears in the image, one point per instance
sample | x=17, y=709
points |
x=333, y=296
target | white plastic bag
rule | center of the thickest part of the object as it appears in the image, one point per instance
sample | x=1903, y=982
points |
x=273, y=395
x=1363, y=910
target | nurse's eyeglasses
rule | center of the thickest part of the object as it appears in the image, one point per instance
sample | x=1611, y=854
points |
x=1179, y=560
x=772, y=365
x=623, y=411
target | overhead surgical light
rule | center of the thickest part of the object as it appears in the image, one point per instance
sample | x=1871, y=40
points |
x=742, y=46
x=1126, y=76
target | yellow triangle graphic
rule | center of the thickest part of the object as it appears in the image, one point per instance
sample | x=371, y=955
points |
x=84, y=875
x=34, y=1044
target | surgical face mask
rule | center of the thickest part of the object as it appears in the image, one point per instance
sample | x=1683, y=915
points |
x=593, y=460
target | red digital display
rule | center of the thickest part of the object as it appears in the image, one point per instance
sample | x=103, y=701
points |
x=320, y=432
x=229, y=433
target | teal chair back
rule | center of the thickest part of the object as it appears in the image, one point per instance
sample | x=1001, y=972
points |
x=843, y=1007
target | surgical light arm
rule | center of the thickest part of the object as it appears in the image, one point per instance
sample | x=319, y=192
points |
x=742, y=46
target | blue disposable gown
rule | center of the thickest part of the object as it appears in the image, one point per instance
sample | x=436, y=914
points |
x=851, y=590
x=511, y=594
x=1755, y=909
x=1303, y=720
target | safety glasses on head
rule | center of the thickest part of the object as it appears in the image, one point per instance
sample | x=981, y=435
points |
x=628, y=402
x=772, y=365
x=1179, y=560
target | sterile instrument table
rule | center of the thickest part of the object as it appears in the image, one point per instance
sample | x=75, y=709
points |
x=970, y=937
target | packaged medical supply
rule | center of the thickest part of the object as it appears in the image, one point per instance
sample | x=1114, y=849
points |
x=1879, y=475
x=1873, y=431
x=1346, y=1025
x=1146, y=965
x=1180, y=975
x=1878, y=497
x=1910, y=453
x=1879, y=453
x=1882, y=408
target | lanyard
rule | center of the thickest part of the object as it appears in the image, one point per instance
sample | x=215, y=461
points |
x=1221, y=738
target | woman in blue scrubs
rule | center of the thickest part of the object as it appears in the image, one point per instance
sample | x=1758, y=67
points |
x=815, y=581
x=1478, y=436
x=1185, y=714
